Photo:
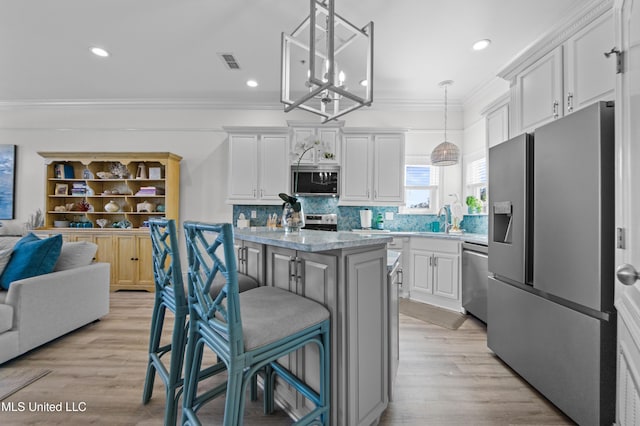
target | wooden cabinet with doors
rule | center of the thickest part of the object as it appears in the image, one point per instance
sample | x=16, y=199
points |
x=372, y=168
x=258, y=164
x=78, y=187
x=434, y=272
x=133, y=269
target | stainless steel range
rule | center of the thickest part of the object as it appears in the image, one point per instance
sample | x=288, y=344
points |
x=321, y=222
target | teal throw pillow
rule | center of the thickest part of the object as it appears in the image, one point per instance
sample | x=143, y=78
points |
x=31, y=257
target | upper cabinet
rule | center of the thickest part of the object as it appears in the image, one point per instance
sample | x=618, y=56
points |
x=258, y=165
x=589, y=75
x=372, y=168
x=497, y=121
x=324, y=141
x=567, y=70
x=538, y=92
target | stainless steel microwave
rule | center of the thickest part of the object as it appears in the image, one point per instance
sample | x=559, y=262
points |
x=315, y=180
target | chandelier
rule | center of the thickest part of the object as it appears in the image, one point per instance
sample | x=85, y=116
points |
x=446, y=153
x=327, y=64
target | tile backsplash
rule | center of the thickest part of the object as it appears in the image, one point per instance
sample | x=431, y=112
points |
x=349, y=216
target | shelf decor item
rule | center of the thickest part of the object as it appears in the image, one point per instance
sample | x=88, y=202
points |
x=111, y=207
x=155, y=173
x=62, y=189
x=142, y=171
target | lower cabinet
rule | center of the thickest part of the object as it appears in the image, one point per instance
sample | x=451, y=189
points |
x=129, y=253
x=250, y=259
x=133, y=269
x=357, y=301
x=435, y=274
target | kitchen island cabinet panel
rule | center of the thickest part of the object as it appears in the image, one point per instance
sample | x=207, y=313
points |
x=347, y=273
x=367, y=336
x=250, y=259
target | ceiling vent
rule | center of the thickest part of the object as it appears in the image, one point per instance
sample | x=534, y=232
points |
x=229, y=60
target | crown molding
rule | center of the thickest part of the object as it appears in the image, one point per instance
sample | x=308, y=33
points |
x=381, y=104
x=554, y=38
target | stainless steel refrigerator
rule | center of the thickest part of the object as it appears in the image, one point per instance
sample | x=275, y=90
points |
x=551, y=261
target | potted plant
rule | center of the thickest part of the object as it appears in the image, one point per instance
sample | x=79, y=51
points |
x=473, y=204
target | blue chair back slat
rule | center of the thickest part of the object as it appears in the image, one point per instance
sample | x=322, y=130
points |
x=166, y=263
x=170, y=294
x=203, y=244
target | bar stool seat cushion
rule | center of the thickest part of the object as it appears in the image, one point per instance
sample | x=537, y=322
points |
x=245, y=282
x=270, y=314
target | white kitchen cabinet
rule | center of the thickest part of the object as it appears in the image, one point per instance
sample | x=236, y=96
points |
x=327, y=152
x=589, y=75
x=538, y=92
x=497, y=123
x=434, y=272
x=258, y=165
x=372, y=169
x=574, y=72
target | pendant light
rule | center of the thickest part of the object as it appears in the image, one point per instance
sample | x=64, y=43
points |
x=333, y=52
x=446, y=153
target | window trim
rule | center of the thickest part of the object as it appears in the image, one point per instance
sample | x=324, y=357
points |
x=470, y=188
x=437, y=190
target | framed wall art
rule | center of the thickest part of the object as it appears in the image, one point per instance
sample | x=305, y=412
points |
x=7, y=181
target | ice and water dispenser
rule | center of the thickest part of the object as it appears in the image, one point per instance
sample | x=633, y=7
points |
x=502, y=220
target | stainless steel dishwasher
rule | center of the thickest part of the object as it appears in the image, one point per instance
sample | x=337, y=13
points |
x=475, y=271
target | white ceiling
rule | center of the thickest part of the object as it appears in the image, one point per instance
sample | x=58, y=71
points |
x=166, y=50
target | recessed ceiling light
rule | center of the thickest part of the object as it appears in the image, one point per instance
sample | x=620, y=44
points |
x=98, y=51
x=364, y=83
x=481, y=44
x=252, y=83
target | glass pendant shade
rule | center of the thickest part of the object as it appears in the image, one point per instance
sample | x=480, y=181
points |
x=445, y=154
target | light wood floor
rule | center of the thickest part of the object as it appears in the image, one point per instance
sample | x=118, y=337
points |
x=445, y=378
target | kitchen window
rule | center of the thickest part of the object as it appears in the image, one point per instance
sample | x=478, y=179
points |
x=476, y=177
x=421, y=189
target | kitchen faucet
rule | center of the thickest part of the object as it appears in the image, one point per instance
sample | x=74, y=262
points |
x=447, y=217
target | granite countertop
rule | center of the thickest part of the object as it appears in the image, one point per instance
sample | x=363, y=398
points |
x=310, y=241
x=474, y=238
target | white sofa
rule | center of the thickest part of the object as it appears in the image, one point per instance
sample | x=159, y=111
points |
x=36, y=310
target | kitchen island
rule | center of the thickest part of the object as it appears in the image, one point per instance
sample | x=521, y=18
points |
x=347, y=273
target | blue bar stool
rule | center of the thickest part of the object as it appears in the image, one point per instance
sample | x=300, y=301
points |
x=248, y=331
x=170, y=294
